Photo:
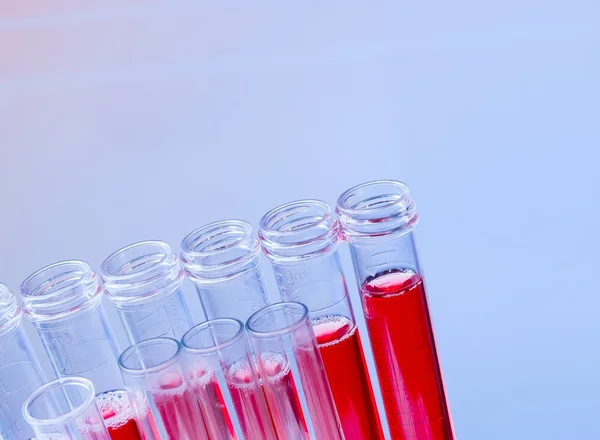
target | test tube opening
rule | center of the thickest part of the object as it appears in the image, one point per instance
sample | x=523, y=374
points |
x=59, y=401
x=277, y=319
x=223, y=247
x=214, y=335
x=150, y=356
x=10, y=312
x=59, y=290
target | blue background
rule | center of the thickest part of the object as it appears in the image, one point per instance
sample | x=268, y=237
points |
x=124, y=121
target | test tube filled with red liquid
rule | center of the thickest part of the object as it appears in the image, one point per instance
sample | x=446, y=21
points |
x=218, y=361
x=63, y=301
x=163, y=400
x=377, y=220
x=292, y=372
x=301, y=240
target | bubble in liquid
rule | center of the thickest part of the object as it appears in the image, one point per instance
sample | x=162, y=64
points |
x=114, y=407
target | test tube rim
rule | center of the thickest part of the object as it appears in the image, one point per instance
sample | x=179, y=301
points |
x=137, y=372
x=289, y=329
x=11, y=306
x=106, y=275
x=61, y=381
x=186, y=249
x=86, y=272
x=217, y=347
x=264, y=228
x=342, y=208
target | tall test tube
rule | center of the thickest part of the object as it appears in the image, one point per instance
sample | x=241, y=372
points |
x=294, y=380
x=219, y=361
x=143, y=281
x=63, y=302
x=222, y=259
x=301, y=240
x=164, y=402
x=64, y=409
x=20, y=371
x=377, y=220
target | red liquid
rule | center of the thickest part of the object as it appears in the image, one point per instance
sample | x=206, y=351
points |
x=179, y=410
x=118, y=415
x=216, y=417
x=250, y=403
x=397, y=316
x=346, y=368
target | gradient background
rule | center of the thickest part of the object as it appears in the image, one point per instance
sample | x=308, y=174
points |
x=132, y=120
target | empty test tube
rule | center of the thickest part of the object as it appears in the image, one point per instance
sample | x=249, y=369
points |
x=20, y=371
x=143, y=281
x=222, y=259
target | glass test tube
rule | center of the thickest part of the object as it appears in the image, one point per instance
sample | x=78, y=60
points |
x=222, y=259
x=301, y=240
x=64, y=409
x=63, y=302
x=162, y=397
x=294, y=380
x=219, y=361
x=20, y=371
x=143, y=281
x=377, y=220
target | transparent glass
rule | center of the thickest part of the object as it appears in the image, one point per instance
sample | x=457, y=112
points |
x=377, y=220
x=65, y=409
x=20, y=371
x=162, y=397
x=294, y=380
x=63, y=302
x=219, y=363
x=301, y=240
x=143, y=281
x=222, y=259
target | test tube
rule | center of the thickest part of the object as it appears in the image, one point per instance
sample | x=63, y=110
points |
x=222, y=259
x=63, y=302
x=219, y=361
x=301, y=240
x=377, y=220
x=162, y=397
x=64, y=409
x=20, y=371
x=143, y=281
x=292, y=373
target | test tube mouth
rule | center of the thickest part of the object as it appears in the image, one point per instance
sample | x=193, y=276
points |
x=10, y=312
x=298, y=230
x=77, y=393
x=277, y=320
x=150, y=356
x=213, y=336
x=60, y=290
x=220, y=250
x=376, y=208
x=141, y=272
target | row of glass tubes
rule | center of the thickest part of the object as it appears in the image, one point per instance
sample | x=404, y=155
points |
x=143, y=282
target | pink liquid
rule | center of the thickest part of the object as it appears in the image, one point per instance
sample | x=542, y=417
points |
x=118, y=415
x=320, y=402
x=397, y=316
x=179, y=410
x=250, y=403
x=346, y=368
x=282, y=397
x=216, y=417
